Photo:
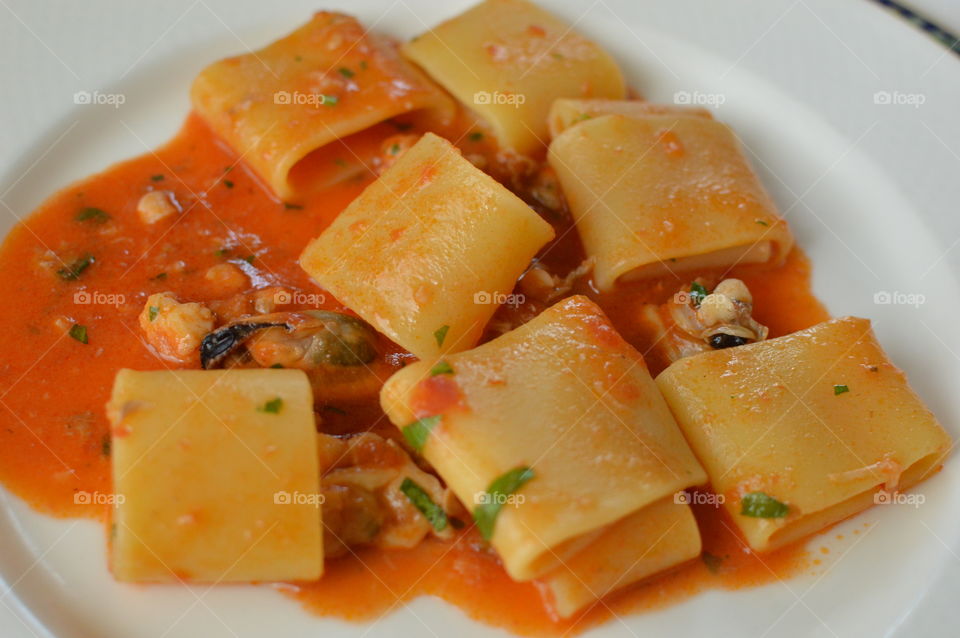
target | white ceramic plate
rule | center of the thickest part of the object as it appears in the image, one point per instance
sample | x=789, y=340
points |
x=851, y=117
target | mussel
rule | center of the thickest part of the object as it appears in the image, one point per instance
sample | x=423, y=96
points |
x=338, y=352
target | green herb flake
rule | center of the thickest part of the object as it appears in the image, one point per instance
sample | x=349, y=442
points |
x=394, y=149
x=152, y=312
x=418, y=432
x=92, y=215
x=697, y=292
x=363, y=65
x=476, y=136
x=221, y=252
x=345, y=72
x=840, y=389
x=422, y=501
x=298, y=58
x=289, y=206
x=160, y=276
x=156, y=178
x=760, y=505
x=79, y=333
x=340, y=162
x=440, y=334
x=250, y=258
x=277, y=366
x=761, y=222
x=228, y=183
x=73, y=271
x=106, y=445
x=272, y=406
x=442, y=367
x=503, y=486
x=712, y=561
x=334, y=409
x=330, y=100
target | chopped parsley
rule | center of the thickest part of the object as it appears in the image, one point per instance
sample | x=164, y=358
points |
x=840, y=389
x=363, y=65
x=476, y=136
x=441, y=367
x=345, y=72
x=418, y=432
x=422, y=501
x=156, y=178
x=340, y=162
x=712, y=561
x=485, y=514
x=79, y=333
x=221, y=252
x=760, y=505
x=334, y=409
x=761, y=222
x=289, y=206
x=93, y=215
x=394, y=149
x=277, y=366
x=106, y=445
x=697, y=292
x=152, y=312
x=228, y=183
x=250, y=258
x=330, y=100
x=440, y=334
x=159, y=276
x=272, y=406
x=72, y=271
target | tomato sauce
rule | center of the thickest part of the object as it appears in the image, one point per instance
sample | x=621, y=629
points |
x=54, y=436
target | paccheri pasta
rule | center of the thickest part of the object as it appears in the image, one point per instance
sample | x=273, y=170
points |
x=811, y=425
x=522, y=346
x=619, y=456
x=661, y=194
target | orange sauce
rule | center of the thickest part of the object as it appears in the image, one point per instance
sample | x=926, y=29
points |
x=54, y=437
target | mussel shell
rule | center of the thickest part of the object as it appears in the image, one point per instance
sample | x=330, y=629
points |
x=217, y=345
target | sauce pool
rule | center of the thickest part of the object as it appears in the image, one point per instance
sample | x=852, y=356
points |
x=54, y=436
